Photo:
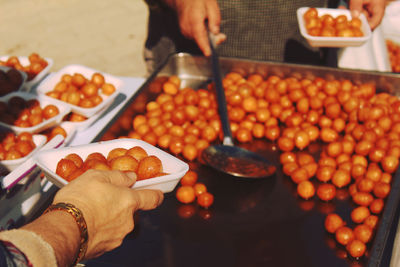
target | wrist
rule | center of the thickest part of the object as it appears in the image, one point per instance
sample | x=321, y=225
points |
x=59, y=230
x=77, y=215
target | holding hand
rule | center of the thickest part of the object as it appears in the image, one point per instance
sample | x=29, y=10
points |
x=107, y=204
x=193, y=15
x=372, y=9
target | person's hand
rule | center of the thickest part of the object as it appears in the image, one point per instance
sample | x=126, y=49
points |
x=108, y=204
x=372, y=9
x=192, y=15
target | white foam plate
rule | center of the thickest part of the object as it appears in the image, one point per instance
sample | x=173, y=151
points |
x=47, y=160
x=50, y=82
x=10, y=165
x=83, y=125
x=317, y=41
x=23, y=171
x=69, y=128
x=24, y=62
x=63, y=109
x=23, y=74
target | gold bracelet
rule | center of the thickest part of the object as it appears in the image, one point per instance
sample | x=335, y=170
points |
x=80, y=221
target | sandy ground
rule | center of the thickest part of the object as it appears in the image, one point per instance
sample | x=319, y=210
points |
x=101, y=34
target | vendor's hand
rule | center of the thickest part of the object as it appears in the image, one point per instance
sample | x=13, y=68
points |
x=192, y=15
x=372, y=9
x=108, y=204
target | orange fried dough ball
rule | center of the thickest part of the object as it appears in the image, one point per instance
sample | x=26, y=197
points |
x=333, y=222
x=124, y=163
x=65, y=168
x=149, y=166
x=306, y=189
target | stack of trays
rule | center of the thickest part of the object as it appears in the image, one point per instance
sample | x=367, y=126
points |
x=29, y=84
x=50, y=83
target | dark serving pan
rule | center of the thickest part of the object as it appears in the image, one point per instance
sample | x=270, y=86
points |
x=252, y=222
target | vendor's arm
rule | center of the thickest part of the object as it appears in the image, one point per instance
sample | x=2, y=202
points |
x=193, y=15
x=59, y=230
x=107, y=204
x=372, y=9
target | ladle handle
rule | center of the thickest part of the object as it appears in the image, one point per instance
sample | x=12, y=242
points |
x=222, y=109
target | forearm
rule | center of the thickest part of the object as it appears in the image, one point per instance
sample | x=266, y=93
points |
x=60, y=231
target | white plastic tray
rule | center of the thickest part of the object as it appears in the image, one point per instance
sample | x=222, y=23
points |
x=317, y=41
x=48, y=160
x=37, y=191
x=23, y=171
x=83, y=125
x=71, y=129
x=49, y=83
x=23, y=74
x=63, y=109
x=10, y=165
x=24, y=62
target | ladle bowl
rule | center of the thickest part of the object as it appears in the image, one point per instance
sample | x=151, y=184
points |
x=227, y=157
x=237, y=161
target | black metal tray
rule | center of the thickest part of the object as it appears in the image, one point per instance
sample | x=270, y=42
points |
x=252, y=222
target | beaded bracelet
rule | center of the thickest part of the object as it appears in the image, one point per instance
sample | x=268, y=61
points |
x=80, y=221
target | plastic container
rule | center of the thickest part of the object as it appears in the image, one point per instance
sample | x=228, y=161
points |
x=49, y=83
x=23, y=171
x=317, y=41
x=24, y=62
x=69, y=128
x=48, y=160
x=63, y=110
x=83, y=125
x=10, y=165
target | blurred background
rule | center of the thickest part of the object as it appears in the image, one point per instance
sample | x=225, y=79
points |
x=101, y=34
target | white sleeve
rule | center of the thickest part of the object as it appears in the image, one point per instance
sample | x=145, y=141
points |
x=38, y=251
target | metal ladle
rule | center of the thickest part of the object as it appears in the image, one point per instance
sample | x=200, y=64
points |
x=227, y=157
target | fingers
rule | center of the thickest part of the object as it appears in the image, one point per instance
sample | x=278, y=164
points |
x=193, y=16
x=118, y=178
x=377, y=10
x=200, y=35
x=147, y=199
x=373, y=10
x=220, y=38
x=194, y=28
x=356, y=7
x=132, y=176
x=214, y=16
